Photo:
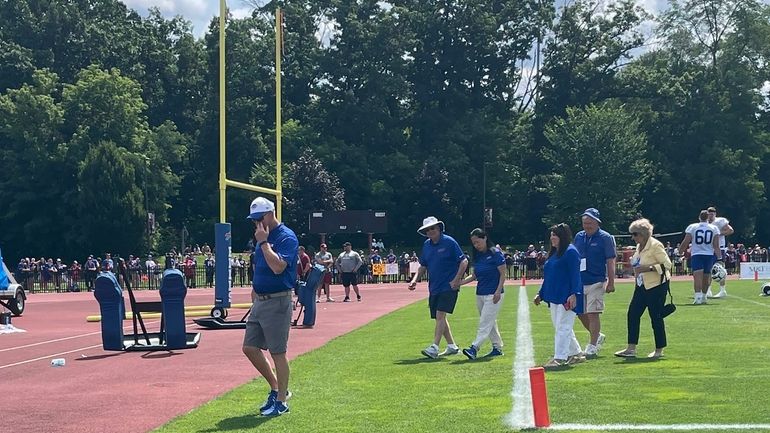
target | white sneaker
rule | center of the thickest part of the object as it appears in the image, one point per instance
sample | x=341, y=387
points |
x=709, y=294
x=450, y=351
x=722, y=293
x=431, y=352
x=591, y=351
x=697, y=299
x=600, y=341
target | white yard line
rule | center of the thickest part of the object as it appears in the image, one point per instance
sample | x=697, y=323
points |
x=661, y=427
x=521, y=415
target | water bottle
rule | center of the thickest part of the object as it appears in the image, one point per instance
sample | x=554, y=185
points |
x=57, y=362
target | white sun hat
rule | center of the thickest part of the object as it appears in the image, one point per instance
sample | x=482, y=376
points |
x=429, y=222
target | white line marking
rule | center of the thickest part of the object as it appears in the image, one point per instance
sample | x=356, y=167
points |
x=747, y=300
x=605, y=427
x=50, y=341
x=126, y=327
x=48, y=356
x=521, y=415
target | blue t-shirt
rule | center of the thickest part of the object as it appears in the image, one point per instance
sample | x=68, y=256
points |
x=487, y=275
x=284, y=242
x=561, y=278
x=596, y=249
x=442, y=260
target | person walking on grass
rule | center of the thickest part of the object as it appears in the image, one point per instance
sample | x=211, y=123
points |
x=597, y=265
x=348, y=264
x=725, y=229
x=705, y=249
x=443, y=258
x=562, y=290
x=267, y=328
x=652, y=269
x=489, y=270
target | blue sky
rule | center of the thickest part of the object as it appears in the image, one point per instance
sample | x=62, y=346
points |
x=200, y=12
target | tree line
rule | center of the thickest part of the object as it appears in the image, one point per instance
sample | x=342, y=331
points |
x=415, y=107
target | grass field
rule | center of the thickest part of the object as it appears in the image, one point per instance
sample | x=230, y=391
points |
x=716, y=371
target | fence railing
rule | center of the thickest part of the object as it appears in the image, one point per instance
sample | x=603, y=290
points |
x=141, y=279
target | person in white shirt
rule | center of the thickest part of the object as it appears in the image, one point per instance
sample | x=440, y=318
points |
x=725, y=229
x=704, y=238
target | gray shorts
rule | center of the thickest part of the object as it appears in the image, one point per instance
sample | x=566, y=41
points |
x=268, y=324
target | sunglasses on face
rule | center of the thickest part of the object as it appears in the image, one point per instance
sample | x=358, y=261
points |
x=258, y=220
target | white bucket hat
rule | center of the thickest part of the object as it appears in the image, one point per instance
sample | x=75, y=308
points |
x=429, y=222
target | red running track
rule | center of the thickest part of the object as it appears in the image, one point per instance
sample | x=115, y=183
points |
x=99, y=391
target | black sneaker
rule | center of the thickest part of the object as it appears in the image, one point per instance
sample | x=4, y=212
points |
x=346, y=299
x=359, y=298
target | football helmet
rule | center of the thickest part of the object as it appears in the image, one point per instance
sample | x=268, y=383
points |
x=718, y=272
x=766, y=289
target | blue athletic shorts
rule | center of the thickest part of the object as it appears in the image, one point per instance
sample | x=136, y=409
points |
x=702, y=263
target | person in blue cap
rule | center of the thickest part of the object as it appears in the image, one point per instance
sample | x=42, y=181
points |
x=597, y=267
x=267, y=328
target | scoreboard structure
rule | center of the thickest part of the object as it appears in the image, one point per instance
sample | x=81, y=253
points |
x=348, y=221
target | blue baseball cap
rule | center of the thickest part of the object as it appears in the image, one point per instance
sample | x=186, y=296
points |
x=593, y=213
x=259, y=207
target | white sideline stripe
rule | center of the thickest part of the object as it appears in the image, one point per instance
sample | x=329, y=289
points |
x=48, y=356
x=747, y=300
x=130, y=327
x=605, y=427
x=522, y=415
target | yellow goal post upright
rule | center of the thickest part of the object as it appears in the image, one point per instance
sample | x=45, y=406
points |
x=222, y=229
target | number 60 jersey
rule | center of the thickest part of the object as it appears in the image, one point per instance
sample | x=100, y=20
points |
x=703, y=235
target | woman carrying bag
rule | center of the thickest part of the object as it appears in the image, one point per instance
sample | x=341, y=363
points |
x=652, y=271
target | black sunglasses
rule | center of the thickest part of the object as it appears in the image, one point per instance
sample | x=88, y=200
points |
x=258, y=220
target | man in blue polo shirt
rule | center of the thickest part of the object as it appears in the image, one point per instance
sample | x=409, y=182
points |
x=275, y=273
x=597, y=265
x=443, y=258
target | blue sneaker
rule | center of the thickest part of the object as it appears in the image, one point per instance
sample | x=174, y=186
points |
x=279, y=408
x=271, y=398
x=270, y=401
x=470, y=352
x=495, y=352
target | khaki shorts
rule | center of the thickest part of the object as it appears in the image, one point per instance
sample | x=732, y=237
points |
x=594, y=296
x=268, y=324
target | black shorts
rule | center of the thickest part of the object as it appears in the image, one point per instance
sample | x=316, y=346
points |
x=349, y=278
x=444, y=301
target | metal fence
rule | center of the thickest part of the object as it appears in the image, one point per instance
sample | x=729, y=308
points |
x=200, y=277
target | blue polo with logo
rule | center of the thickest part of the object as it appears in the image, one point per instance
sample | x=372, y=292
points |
x=284, y=242
x=487, y=275
x=596, y=249
x=442, y=260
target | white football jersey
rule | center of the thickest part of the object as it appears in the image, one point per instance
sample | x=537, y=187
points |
x=702, y=237
x=721, y=222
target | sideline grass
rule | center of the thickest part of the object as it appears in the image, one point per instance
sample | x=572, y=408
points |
x=374, y=379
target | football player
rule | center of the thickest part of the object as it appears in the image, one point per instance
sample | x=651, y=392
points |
x=725, y=229
x=705, y=245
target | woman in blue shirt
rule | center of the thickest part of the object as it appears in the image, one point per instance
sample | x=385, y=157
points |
x=562, y=289
x=489, y=271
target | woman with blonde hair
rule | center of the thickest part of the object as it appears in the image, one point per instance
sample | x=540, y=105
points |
x=652, y=271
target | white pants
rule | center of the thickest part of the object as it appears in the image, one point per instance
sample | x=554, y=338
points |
x=565, y=343
x=488, y=320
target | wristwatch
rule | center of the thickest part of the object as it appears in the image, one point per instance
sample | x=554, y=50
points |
x=261, y=243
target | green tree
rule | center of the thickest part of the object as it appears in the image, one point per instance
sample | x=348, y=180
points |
x=599, y=159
